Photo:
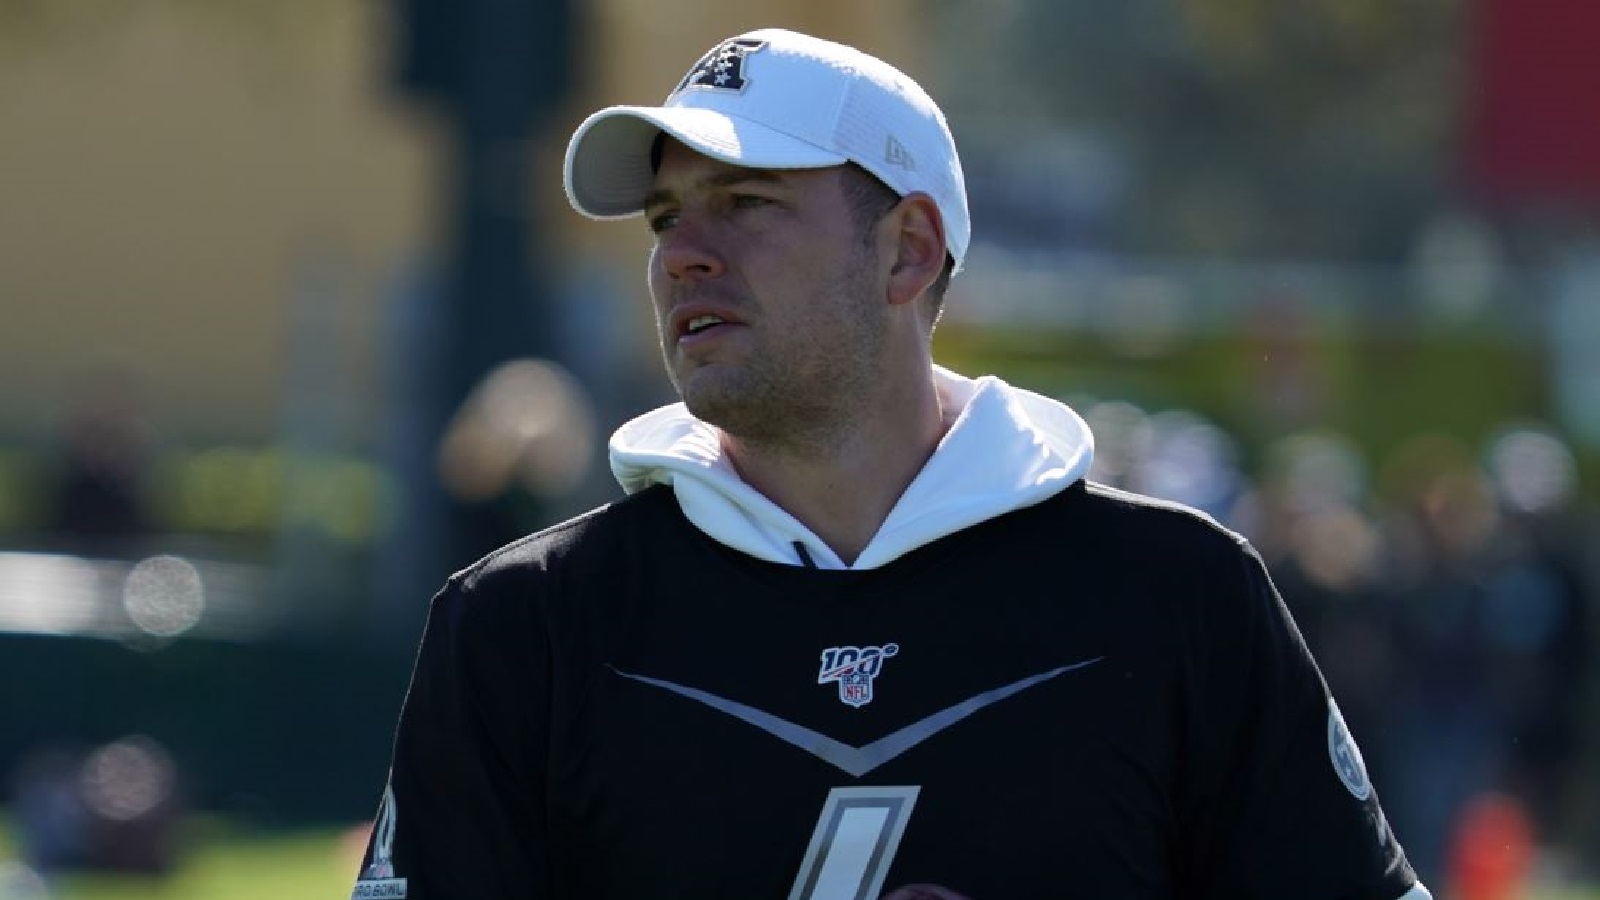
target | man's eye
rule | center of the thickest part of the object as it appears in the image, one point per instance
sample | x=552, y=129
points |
x=749, y=201
x=663, y=221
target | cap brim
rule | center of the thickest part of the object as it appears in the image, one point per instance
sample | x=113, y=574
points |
x=608, y=172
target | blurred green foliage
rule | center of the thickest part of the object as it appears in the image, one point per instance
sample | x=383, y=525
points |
x=226, y=491
x=243, y=490
x=1380, y=389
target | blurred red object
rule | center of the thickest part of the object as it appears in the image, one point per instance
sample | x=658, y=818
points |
x=1534, y=112
x=1492, y=849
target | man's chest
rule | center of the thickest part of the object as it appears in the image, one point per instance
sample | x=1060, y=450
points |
x=978, y=742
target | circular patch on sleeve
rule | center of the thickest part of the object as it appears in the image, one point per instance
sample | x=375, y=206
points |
x=1346, y=756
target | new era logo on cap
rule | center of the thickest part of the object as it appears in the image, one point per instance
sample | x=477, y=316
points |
x=896, y=154
x=777, y=99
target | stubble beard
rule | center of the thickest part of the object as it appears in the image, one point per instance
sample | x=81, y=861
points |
x=799, y=391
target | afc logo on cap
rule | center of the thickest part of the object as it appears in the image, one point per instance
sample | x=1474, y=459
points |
x=723, y=68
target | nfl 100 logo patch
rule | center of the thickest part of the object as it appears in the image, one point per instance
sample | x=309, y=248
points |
x=853, y=669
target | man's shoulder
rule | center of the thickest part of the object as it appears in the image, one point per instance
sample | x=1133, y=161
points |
x=1129, y=532
x=538, y=581
x=1152, y=518
x=586, y=539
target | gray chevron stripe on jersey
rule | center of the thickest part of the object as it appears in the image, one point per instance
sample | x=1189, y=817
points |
x=856, y=761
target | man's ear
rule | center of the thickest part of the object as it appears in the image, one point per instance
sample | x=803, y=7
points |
x=918, y=247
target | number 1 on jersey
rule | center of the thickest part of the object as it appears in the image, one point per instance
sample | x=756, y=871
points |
x=854, y=842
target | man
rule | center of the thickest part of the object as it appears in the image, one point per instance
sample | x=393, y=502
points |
x=860, y=622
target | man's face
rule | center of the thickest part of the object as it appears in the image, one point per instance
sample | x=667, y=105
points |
x=769, y=297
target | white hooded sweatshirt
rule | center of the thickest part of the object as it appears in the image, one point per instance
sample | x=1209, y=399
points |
x=1007, y=449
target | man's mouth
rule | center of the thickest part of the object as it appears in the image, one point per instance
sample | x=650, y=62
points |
x=701, y=323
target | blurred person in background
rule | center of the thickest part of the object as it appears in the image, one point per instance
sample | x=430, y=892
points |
x=95, y=498
x=1447, y=730
x=861, y=621
x=1493, y=625
x=1311, y=521
x=52, y=819
x=113, y=808
x=1541, y=613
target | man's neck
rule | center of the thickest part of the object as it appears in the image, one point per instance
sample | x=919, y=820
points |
x=844, y=486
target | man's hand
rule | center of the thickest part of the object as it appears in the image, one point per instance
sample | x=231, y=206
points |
x=923, y=892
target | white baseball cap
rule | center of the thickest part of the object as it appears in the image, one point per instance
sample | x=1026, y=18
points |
x=777, y=99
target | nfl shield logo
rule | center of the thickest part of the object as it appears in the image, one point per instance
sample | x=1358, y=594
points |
x=853, y=669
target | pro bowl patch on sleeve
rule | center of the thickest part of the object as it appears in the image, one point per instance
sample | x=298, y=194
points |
x=1346, y=756
x=381, y=889
x=378, y=881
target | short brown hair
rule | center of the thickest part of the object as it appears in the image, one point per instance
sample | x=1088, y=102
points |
x=870, y=200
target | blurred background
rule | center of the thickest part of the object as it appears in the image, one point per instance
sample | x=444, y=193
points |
x=297, y=322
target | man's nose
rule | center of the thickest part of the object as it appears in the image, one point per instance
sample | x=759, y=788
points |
x=687, y=251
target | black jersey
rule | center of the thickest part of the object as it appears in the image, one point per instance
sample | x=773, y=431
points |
x=1097, y=696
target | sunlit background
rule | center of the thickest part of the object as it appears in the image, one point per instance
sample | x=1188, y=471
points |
x=296, y=322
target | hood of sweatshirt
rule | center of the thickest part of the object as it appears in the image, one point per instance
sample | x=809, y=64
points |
x=1007, y=449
